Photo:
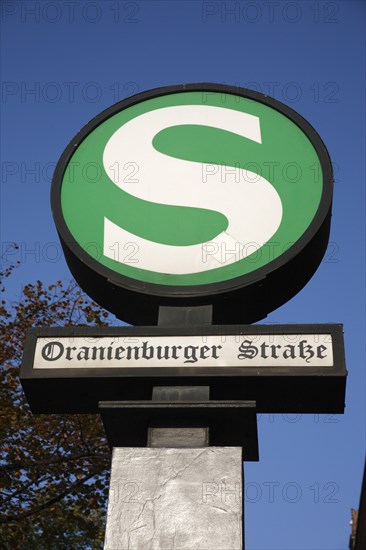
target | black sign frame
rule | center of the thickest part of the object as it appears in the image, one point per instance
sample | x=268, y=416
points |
x=311, y=389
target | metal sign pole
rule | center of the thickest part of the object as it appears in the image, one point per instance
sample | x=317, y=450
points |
x=178, y=492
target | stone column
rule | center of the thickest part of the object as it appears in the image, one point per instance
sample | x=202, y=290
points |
x=175, y=498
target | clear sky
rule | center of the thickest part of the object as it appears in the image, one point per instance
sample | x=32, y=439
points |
x=64, y=62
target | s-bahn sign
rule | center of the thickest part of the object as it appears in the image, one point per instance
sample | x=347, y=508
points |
x=192, y=195
x=283, y=368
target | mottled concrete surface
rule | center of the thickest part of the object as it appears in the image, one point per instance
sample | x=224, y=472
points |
x=175, y=499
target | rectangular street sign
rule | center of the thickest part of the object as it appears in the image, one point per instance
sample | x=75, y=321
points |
x=284, y=368
x=257, y=350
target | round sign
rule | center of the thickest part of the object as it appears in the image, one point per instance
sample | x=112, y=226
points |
x=191, y=195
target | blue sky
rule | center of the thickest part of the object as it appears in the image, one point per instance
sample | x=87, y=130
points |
x=64, y=62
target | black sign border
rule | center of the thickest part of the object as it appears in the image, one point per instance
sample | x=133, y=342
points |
x=138, y=302
x=303, y=389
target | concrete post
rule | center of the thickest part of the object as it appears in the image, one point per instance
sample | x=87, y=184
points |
x=176, y=499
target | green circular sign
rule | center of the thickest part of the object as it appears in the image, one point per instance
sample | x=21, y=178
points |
x=192, y=190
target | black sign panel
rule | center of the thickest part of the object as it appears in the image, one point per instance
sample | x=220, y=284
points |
x=284, y=368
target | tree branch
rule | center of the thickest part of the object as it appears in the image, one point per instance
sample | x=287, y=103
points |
x=23, y=465
x=57, y=498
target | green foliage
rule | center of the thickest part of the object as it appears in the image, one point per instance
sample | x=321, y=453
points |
x=53, y=468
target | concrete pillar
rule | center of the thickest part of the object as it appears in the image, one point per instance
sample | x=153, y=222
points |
x=175, y=499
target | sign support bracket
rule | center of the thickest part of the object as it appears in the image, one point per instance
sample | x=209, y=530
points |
x=185, y=316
